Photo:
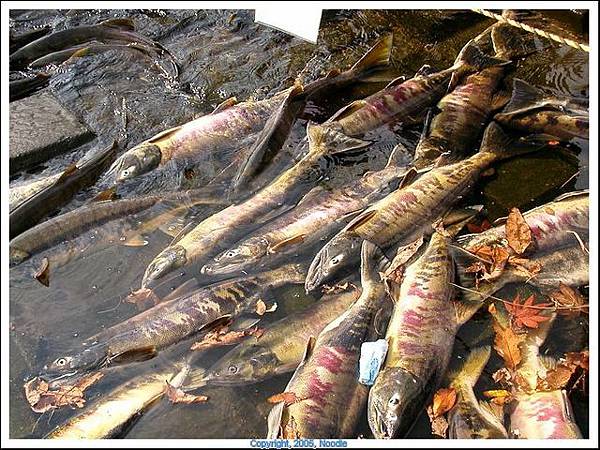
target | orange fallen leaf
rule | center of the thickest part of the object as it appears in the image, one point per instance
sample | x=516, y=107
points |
x=222, y=336
x=523, y=315
x=506, y=343
x=485, y=225
x=288, y=398
x=43, y=272
x=176, y=395
x=443, y=401
x=495, y=393
x=261, y=308
x=567, y=297
x=525, y=266
x=518, y=232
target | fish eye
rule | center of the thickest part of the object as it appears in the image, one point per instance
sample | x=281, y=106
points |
x=125, y=173
x=230, y=254
x=336, y=260
x=232, y=370
x=60, y=362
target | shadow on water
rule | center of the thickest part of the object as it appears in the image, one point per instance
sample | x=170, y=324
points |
x=221, y=54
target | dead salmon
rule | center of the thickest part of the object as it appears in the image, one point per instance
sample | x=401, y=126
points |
x=283, y=193
x=231, y=122
x=536, y=413
x=471, y=418
x=533, y=111
x=142, y=336
x=319, y=214
x=421, y=334
x=60, y=189
x=281, y=347
x=327, y=398
x=406, y=214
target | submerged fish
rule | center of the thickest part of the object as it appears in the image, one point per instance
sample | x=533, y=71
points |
x=142, y=336
x=537, y=414
x=110, y=30
x=53, y=195
x=567, y=264
x=70, y=225
x=463, y=113
x=24, y=87
x=230, y=122
x=406, y=214
x=283, y=193
x=280, y=348
x=328, y=398
x=320, y=213
x=533, y=111
x=114, y=412
x=421, y=335
x=471, y=418
x=552, y=225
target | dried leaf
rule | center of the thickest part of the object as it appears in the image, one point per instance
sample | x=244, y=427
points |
x=485, y=225
x=43, y=272
x=559, y=377
x=142, y=295
x=523, y=315
x=506, y=343
x=261, y=308
x=518, y=232
x=336, y=288
x=176, y=395
x=581, y=359
x=41, y=399
x=288, y=398
x=443, y=401
x=222, y=336
x=567, y=297
x=502, y=376
x=496, y=393
x=439, y=424
x=525, y=266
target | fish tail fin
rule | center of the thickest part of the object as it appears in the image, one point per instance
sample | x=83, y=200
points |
x=525, y=98
x=471, y=368
x=472, y=59
x=377, y=56
x=122, y=23
x=511, y=42
x=496, y=142
x=327, y=139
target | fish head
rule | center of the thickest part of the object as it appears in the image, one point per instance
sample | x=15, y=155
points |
x=244, y=365
x=237, y=257
x=165, y=262
x=76, y=363
x=395, y=401
x=137, y=161
x=17, y=256
x=336, y=254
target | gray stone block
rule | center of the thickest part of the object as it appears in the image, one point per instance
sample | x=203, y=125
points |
x=40, y=128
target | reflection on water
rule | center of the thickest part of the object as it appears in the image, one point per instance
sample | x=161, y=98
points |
x=221, y=54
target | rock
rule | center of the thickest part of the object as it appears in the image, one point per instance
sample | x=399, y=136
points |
x=40, y=128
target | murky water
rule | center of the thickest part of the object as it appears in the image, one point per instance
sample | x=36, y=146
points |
x=124, y=96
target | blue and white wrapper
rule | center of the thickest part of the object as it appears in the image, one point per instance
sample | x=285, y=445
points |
x=372, y=355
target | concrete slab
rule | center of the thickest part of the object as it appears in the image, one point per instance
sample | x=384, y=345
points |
x=40, y=128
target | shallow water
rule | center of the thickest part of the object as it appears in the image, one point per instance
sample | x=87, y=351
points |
x=223, y=54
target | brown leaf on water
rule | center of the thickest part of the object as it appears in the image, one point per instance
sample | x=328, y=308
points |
x=176, y=395
x=443, y=401
x=485, y=225
x=261, y=308
x=506, y=343
x=502, y=376
x=581, y=359
x=526, y=267
x=495, y=256
x=222, y=336
x=523, y=315
x=439, y=424
x=41, y=399
x=289, y=398
x=560, y=376
x=567, y=297
x=518, y=232
x=337, y=288
x=43, y=272
x=142, y=295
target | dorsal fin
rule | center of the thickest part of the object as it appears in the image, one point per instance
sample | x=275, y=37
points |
x=164, y=135
x=119, y=23
x=376, y=56
x=526, y=98
x=289, y=241
x=347, y=110
x=225, y=104
x=410, y=176
x=360, y=220
x=396, y=81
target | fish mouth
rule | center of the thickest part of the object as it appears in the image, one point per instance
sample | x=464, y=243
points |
x=379, y=426
x=315, y=275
